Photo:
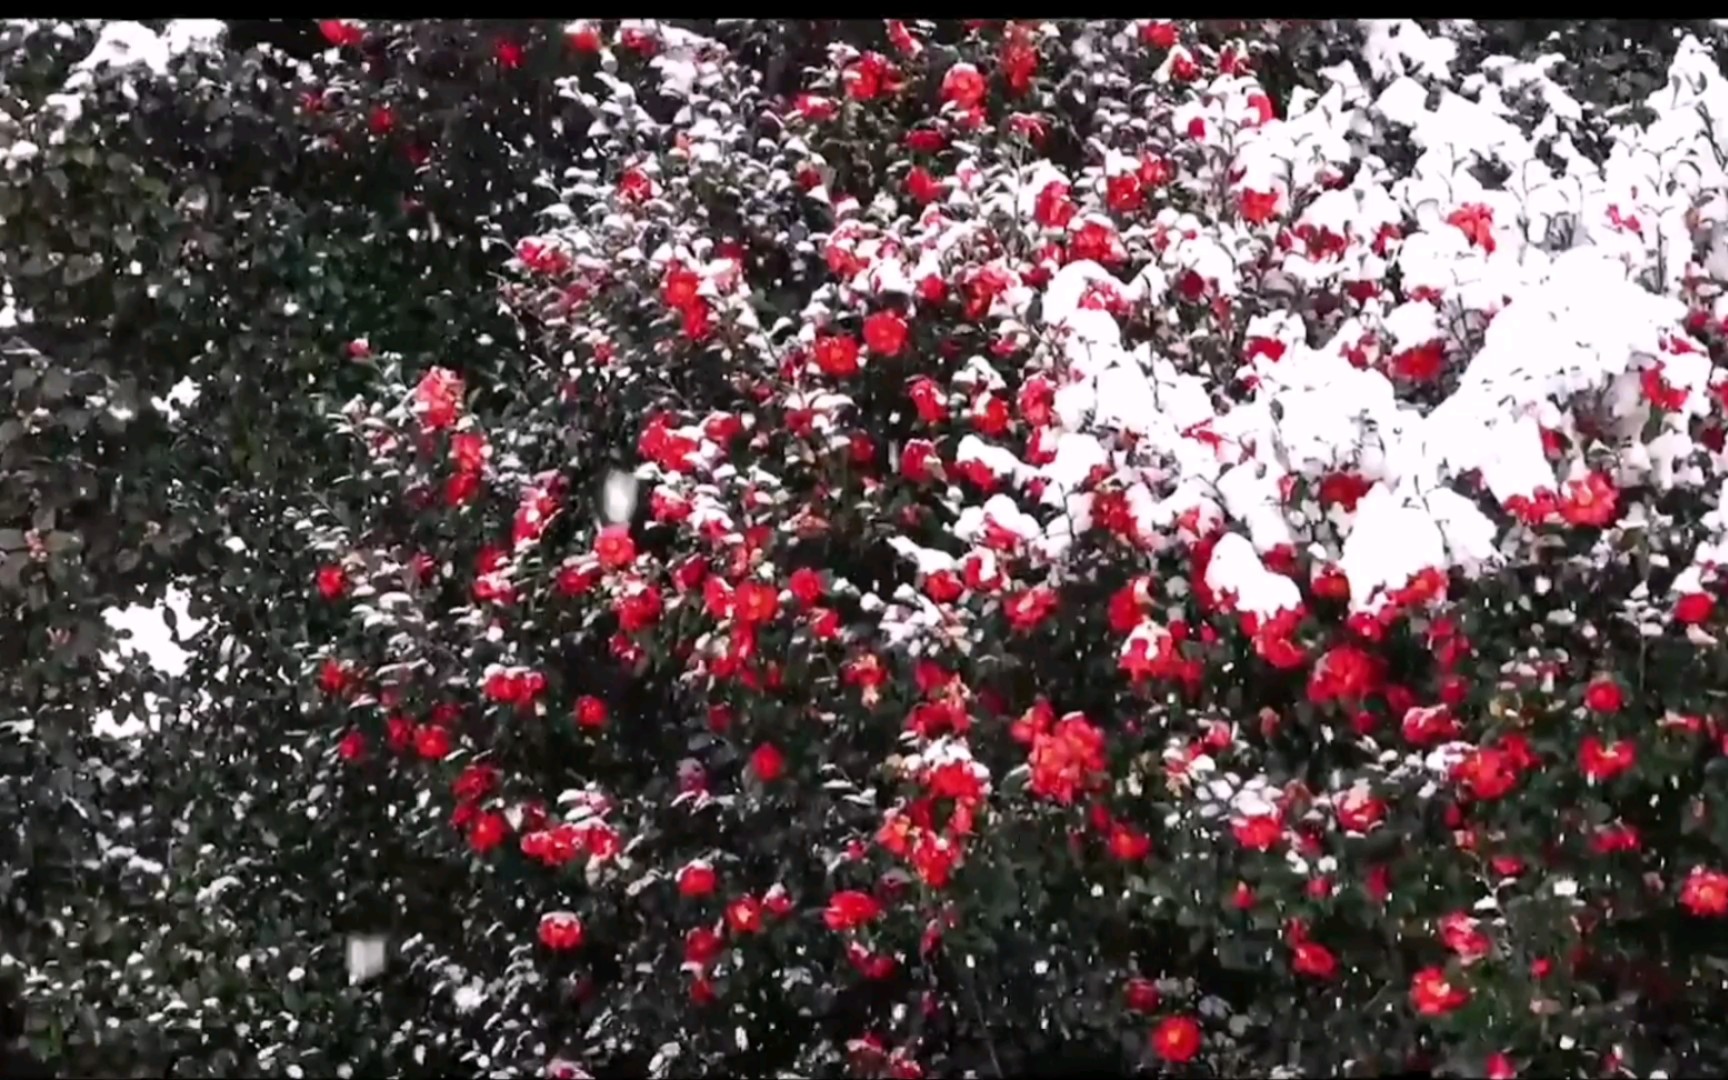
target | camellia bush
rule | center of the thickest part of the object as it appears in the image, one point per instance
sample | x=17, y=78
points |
x=1114, y=569
x=932, y=549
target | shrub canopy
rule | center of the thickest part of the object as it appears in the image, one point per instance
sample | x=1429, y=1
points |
x=885, y=549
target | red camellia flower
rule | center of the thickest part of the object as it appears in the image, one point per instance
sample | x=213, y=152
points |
x=1019, y=61
x=1476, y=222
x=944, y=587
x=335, y=677
x=1128, y=844
x=1659, y=392
x=1141, y=995
x=475, y=783
x=614, y=547
x=702, y=946
x=926, y=141
x=561, y=931
x=1705, y=892
x=918, y=459
x=806, y=586
x=1176, y=1039
x=437, y=398
x=1313, y=959
x=928, y=399
x=432, y=743
x=837, y=356
x=1258, y=207
x=642, y=42
x=575, y=580
x=697, y=879
x=698, y=321
x=768, y=763
x=1486, y=773
x=635, y=186
x=1358, y=810
x=1694, y=608
x=815, y=107
x=755, y=602
x=679, y=287
x=1158, y=34
x=640, y=608
x=469, y=450
x=1433, y=994
x=584, y=39
x=543, y=258
x=1590, y=501
x=1097, y=242
x=923, y=186
x=487, y=831
x=1258, y=833
x=332, y=582
x=352, y=747
x=1498, y=1066
x=1124, y=193
x=1052, y=208
x=1604, y=695
x=1463, y=935
x=514, y=687
x=340, y=33
x=885, y=333
x=1346, y=674
x=964, y=86
x=1421, y=364
x=850, y=909
x=1067, y=759
x=1604, y=761
x=590, y=712
x=870, y=76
